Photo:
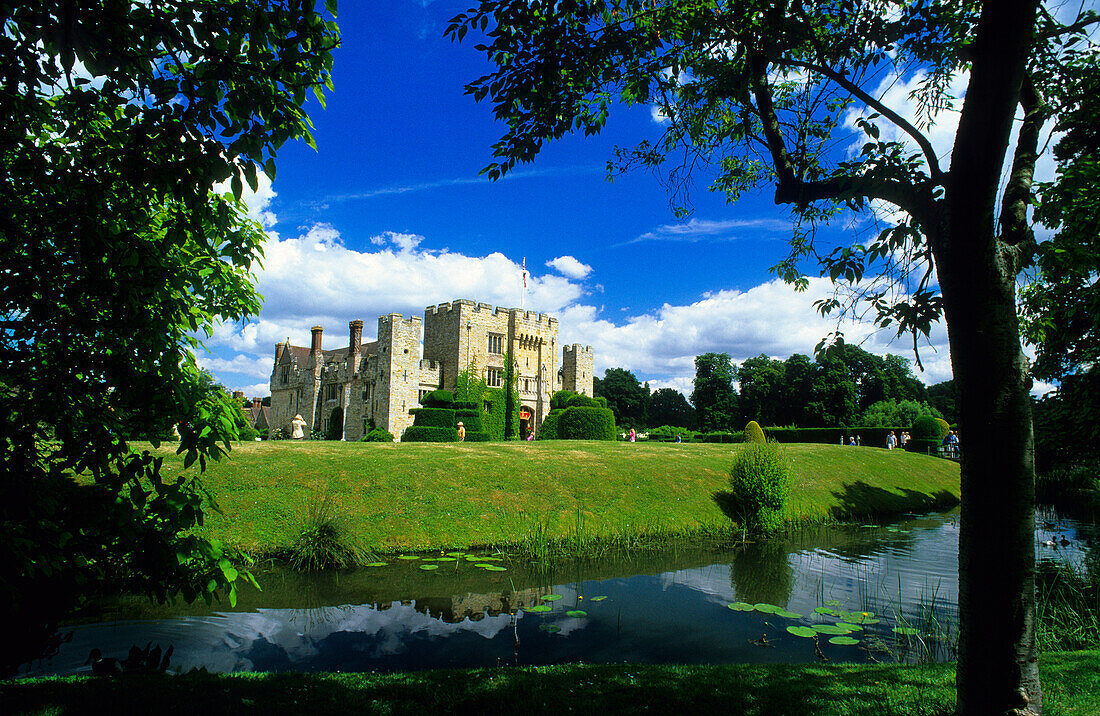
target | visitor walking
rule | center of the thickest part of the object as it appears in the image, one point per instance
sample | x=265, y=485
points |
x=891, y=441
x=461, y=433
x=297, y=426
x=633, y=435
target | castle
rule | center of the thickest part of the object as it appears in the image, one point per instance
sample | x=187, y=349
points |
x=346, y=390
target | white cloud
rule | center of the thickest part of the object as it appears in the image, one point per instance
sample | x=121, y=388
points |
x=569, y=267
x=710, y=230
x=258, y=202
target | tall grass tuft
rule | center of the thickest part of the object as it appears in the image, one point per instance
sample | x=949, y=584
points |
x=325, y=541
x=759, y=485
x=1067, y=605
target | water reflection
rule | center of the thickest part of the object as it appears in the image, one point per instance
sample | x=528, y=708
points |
x=662, y=608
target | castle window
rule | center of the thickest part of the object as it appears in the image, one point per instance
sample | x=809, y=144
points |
x=496, y=343
x=494, y=378
x=284, y=374
x=330, y=392
x=422, y=394
x=366, y=393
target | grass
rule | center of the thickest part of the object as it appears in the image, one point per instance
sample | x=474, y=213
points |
x=1071, y=684
x=417, y=496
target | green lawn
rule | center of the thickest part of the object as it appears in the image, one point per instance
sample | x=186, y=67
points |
x=419, y=496
x=1071, y=682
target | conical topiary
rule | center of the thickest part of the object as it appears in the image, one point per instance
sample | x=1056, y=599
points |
x=754, y=433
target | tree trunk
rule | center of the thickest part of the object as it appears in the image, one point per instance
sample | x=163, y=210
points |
x=997, y=669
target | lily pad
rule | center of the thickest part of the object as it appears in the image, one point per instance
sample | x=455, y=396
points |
x=788, y=615
x=491, y=559
x=599, y=599
x=456, y=554
x=375, y=564
x=829, y=629
x=537, y=608
x=849, y=627
x=827, y=611
x=843, y=640
x=802, y=631
x=445, y=559
x=741, y=607
x=905, y=631
x=472, y=558
x=551, y=597
x=766, y=608
x=408, y=556
x=495, y=568
x=576, y=613
x=552, y=628
x=429, y=566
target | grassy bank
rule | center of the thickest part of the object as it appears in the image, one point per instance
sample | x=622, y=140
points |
x=1071, y=684
x=416, y=496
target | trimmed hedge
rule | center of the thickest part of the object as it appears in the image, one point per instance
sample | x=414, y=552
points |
x=478, y=437
x=549, y=428
x=721, y=438
x=377, y=435
x=582, y=401
x=471, y=420
x=869, y=437
x=925, y=446
x=423, y=434
x=434, y=417
x=582, y=423
x=559, y=399
x=494, y=417
x=753, y=433
x=438, y=399
x=465, y=405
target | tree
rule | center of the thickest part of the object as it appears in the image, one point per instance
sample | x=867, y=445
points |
x=763, y=389
x=626, y=397
x=758, y=90
x=117, y=254
x=941, y=396
x=798, y=374
x=713, y=397
x=670, y=407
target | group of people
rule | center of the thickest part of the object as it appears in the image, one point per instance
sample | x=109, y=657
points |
x=893, y=440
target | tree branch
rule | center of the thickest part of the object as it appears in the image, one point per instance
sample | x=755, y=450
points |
x=926, y=146
x=1017, y=195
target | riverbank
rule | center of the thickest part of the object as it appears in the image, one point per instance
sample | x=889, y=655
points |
x=420, y=496
x=1071, y=686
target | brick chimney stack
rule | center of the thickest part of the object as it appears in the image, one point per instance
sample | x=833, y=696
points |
x=355, y=339
x=315, y=347
x=256, y=403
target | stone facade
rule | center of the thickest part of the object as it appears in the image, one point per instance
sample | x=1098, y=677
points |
x=342, y=391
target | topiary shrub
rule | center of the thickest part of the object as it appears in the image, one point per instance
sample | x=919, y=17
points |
x=438, y=399
x=721, y=437
x=378, y=435
x=560, y=399
x=582, y=401
x=601, y=401
x=754, y=433
x=550, y=427
x=759, y=485
x=945, y=428
x=924, y=436
x=587, y=423
x=434, y=417
x=422, y=434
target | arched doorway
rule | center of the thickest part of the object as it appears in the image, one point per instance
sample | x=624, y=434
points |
x=526, y=422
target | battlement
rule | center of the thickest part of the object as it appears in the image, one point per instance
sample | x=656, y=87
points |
x=466, y=306
x=576, y=348
x=400, y=318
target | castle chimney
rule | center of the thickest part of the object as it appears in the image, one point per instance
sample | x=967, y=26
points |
x=316, y=345
x=238, y=395
x=256, y=403
x=355, y=339
x=279, y=351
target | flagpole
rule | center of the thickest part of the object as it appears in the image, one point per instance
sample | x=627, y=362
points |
x=523, y=300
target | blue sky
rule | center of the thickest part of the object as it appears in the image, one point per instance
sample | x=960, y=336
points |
x=389, y=215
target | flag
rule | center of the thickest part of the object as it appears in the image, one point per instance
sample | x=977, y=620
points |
x=525, y=272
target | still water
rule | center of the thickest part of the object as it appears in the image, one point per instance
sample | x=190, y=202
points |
x=896, y=584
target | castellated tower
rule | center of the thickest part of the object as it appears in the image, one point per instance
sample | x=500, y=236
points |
x=398, y=372
x=576, y=368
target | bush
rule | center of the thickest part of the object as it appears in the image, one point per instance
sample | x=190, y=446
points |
x=1071, y=488
x=422, y=434
x=925, y=428
x=560, y=398
x=945, y=428
x=466, y=405
x=753, y=433
x=759, y=485
x=438, y=399
x=247, y=433
x=434, y=417
x=582, y=401
x=324, y=542
x=549, y=428
x=495, y=413
x=378, y=435
x=585, y=423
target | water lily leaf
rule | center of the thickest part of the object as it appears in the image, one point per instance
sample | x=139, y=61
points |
x=788, y=615
x=495, y=568
x=741, y=607
x=429, y=566
x=473, y=558
x=832, y=602
x=599, y=599
x=843, y=640
x=445, y=559
x=829, y=629
x=491, y=559
x=375, y=564
x=828, y=611
x=408, y=556
x=537, y=608
x=802, y=631
x=552, y=628
x=766, y=608
x=551, y=597
x=576, y=613
x=849, y=627
x=456, y=554
x=906, y=631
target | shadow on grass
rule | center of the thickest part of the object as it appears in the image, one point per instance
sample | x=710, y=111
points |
x=741, y=689
x=859, y=499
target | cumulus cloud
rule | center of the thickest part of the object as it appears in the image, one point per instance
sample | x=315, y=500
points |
x=569, y=267
x=259, y=201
